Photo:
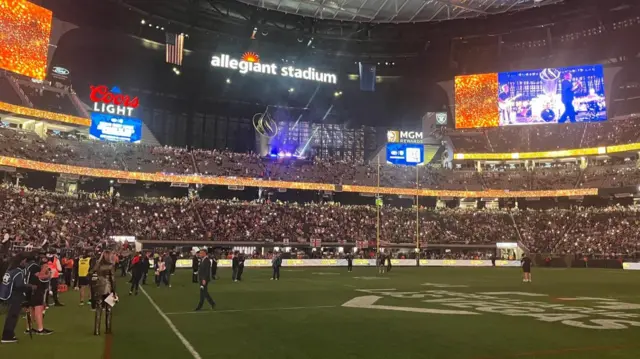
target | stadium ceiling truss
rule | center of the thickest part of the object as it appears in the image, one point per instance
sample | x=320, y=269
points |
x=396, y=11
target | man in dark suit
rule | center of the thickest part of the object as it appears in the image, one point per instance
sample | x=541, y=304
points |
x=240, y=267
x=204, y=276
x=568, y=94
x=234, y=266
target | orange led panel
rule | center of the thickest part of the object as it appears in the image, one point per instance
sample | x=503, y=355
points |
x=24, y=38
x=476, y=101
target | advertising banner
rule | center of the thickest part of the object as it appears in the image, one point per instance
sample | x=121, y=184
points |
x=261, y=263
x=109, y=127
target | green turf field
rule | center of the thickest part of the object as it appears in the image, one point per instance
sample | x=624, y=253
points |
x=304, y=316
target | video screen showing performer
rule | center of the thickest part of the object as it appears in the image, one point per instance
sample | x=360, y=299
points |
x=552, y=95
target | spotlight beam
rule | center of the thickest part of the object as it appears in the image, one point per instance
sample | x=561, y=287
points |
x=306, y=107
x=315, y=131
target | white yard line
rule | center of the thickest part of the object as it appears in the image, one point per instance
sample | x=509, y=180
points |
x=175, y=330
x=252, y=310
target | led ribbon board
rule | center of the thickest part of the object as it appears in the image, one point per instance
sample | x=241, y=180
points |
x=252, y=64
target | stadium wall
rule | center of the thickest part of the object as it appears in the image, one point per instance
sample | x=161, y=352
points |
x=226, y=263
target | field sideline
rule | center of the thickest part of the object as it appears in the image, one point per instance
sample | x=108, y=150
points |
x=466, y=313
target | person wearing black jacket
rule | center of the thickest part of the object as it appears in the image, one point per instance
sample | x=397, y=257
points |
x=204, y=276
x=234, y=266
x=240, y=266
x=195, y=265
x=13, y=290
x=349, y=258
x=214, y=265
x=146, y=267
x=174, y=260
x=137, y=269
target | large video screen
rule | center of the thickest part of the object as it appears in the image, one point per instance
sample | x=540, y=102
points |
x=551, y=95
x=115, y=128
x=405, y=154
x=24, y=38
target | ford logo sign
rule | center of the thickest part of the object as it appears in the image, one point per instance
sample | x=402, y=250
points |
x=60, y=71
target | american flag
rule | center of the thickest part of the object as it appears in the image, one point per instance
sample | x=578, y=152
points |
x=175, y=46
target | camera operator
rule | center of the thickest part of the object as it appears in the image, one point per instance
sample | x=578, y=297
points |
x=13, y=289
x=38, y=275
x=103, y=284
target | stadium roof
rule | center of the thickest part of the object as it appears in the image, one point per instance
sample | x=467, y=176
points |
x=396, y=11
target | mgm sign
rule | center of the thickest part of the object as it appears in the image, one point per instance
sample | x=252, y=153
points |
x=404, y=136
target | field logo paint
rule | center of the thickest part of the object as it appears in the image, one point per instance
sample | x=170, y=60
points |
x=605, y=314
x=368, y=302
x=444, y=285
x=370, y=278
x=325, y=273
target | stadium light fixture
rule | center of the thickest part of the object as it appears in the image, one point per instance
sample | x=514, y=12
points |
x=291, y=89
x=162, y=28
x=150, y=25
x=143, y=22
x=228, y=81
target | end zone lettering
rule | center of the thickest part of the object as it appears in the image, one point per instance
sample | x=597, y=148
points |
x=310, y=73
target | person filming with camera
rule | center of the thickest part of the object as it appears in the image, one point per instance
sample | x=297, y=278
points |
x=13, y=289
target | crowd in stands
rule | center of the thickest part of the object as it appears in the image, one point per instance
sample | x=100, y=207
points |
x=48, y=100
x=73, y=149
x=36, y=218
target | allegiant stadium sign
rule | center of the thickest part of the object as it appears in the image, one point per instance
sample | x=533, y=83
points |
x=251, y=63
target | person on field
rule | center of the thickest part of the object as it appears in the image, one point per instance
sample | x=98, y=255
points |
x=82, y=276
x=526, y=268
x=137, y=270
x=276, y=263
x=12, y=290
x=56, y=270
x=234, y=266
x=161, y=270
x=104, y=289
x=349, y=258
x=38, y=275
x=195, y=265
x=214, y=264
x=240, y=267
x=169, y=263
x=146, y=267
x=204, y=277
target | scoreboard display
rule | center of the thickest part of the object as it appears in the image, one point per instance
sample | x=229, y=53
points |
x=405, y=154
